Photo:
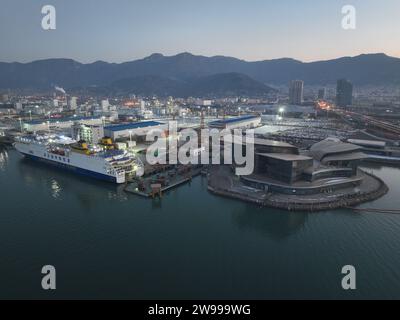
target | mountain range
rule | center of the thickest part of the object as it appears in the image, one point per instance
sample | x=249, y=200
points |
x=187, y=74
x=217, y=85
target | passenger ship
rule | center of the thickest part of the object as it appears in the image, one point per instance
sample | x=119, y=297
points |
x=97, y=161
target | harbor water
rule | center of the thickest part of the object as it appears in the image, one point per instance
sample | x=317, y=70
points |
x=105, y=243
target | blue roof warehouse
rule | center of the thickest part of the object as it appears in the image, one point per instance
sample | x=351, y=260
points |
x=133, y=129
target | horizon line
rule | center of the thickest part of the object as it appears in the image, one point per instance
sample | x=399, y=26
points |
x=204, y=56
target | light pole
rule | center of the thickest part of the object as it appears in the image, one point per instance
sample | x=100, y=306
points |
x=130, y=136
x=281, y=111
x=30, y=115
x=20, y=124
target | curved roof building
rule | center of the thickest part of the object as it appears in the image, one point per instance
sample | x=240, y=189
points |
x=331, y=151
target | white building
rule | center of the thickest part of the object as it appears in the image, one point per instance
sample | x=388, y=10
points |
x=90, y=134
x=142, y=106
x=105, y=105
x=73, y=103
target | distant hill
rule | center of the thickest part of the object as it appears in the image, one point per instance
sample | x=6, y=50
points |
x=219, y=85
x=368, y=69
x=226, y=84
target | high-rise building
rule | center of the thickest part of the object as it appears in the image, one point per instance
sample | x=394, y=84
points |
x=296, y=89
x=322, y=94
x=73, y=103
x=344, y=93
x=142, y=106
x=105, y=105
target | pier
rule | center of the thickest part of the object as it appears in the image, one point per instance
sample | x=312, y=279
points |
x=157, y=184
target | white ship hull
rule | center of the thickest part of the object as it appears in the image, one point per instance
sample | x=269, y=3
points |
x=87, y=165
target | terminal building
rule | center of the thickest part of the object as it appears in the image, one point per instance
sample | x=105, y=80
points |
x=280, y=167
x=333, y=152
x=283, y=167
x=130, y=130
x=244, y=122
x=284, y=177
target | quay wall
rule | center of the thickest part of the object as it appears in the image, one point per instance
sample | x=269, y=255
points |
x=348, y=200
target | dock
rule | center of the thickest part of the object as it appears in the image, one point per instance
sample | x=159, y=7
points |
x=156, y=185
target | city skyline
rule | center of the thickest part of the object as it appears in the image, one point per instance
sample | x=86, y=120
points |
x=261, y=30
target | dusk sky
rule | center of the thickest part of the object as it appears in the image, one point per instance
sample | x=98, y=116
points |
x=123, y=30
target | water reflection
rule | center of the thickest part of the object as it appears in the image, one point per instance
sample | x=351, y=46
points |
x=156, y=203
x=90, y=193
x=270, y=222
x=118, y=193
x=55, y=189
x=3, y=158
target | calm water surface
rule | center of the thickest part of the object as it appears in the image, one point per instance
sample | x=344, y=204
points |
x=105, y=243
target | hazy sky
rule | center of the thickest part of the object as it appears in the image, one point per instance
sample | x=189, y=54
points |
x=122, y=30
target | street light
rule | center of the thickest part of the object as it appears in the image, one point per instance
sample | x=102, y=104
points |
x=130, y=135
x=281, y=111
x=30, y=115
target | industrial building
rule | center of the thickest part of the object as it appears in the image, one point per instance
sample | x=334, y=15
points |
x=129, y=130
x=62, y=123
x=244, y=122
